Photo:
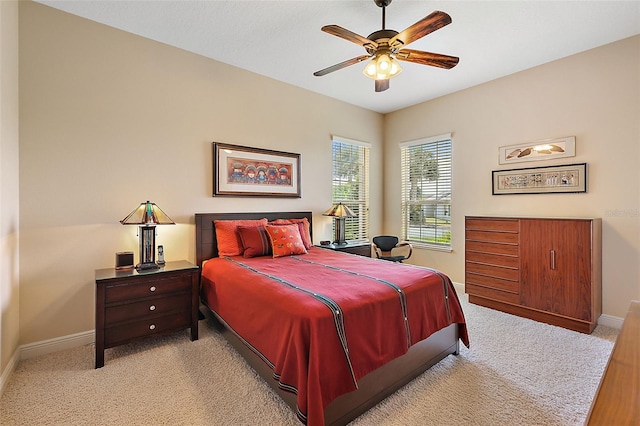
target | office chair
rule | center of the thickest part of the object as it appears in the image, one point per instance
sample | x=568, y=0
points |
x=387, y=247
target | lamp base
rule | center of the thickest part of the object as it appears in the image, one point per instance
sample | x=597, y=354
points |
x=339, y=239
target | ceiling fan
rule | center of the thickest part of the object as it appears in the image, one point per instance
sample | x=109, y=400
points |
x=386, y=46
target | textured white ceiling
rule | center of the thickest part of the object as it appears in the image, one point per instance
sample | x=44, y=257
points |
x=282, y=39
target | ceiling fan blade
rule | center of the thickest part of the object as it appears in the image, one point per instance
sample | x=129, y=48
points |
x=382, y=85
x=344, y=33
x=341, y=65
x=426, y=25
x=427, y=58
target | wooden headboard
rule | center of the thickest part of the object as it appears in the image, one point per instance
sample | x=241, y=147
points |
x=206, y=243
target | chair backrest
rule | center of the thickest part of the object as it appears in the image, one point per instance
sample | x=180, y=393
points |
x=385, y=242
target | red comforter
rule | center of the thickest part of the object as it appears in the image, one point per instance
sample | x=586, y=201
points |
x=325, y=319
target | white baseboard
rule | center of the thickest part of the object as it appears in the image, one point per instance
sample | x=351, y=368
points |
x=43, y=347
x=610, y=321
x=8, y=371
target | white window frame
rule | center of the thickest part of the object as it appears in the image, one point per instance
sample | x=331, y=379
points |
x=357, y=228
x=434, y=215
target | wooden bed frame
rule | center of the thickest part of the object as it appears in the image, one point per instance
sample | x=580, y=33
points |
x=372, y=388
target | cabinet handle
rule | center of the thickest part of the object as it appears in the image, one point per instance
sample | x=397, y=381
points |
x=152, y=327
x=153, y=288
x=152, y=307
x=553, y=259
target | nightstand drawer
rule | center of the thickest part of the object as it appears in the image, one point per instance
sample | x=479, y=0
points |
x=146, y=288
x=361, y=250
x=123, y=333
x=148, y=308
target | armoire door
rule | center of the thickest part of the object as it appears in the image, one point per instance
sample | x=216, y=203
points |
x=556, y=266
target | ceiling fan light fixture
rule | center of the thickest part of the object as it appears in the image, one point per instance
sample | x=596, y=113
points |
x=382, y=67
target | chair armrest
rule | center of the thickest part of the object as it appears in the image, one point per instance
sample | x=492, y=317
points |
x=405, y=244
x=376, y=250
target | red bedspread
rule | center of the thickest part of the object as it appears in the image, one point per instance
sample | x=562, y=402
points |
x=325, y=319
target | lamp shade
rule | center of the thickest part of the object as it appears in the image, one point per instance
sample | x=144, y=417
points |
x=339, y=210
x=147, y=214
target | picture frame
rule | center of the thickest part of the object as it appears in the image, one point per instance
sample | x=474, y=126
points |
x=247, y=171
x=568, y=178
x=536, y=151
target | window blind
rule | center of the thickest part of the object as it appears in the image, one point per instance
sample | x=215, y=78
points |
x=350, y=184
x=426, y=191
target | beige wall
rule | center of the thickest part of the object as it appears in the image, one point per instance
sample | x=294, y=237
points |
x=109, y=119
x=9, y=197
x=594, y=96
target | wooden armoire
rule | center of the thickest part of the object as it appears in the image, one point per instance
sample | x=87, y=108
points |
x=545, y=269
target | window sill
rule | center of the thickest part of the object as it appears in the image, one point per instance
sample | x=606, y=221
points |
x=427, y=246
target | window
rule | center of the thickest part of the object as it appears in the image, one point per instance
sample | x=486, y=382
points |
x=350, y=184
x=426, y=191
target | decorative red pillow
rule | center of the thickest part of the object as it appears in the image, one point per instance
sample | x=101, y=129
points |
x=229, y=243
x=255, y=241
x=303, y=225
x=285, y=240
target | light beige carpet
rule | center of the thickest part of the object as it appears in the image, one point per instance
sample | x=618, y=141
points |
x=517, y=372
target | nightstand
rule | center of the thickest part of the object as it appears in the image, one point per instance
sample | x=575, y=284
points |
x=132, y=305
x=360, y=248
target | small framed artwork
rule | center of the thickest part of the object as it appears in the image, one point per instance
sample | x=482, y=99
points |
x=247, y=171
x=536, y=151
x=540, y=180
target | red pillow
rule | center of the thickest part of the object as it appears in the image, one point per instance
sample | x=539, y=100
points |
x=285, y=240
x=229, y=243
x=255, y=241
x=303, y=225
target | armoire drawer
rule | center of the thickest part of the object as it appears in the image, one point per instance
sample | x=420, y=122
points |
x=512, y=286
x=512, y=274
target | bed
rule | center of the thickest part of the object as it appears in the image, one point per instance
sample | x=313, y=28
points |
x=331, y=352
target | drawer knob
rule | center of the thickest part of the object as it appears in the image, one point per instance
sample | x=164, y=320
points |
x=152, y=327
x=153, y=288
x=152, y=307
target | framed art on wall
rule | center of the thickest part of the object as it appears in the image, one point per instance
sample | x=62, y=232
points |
x=535, y=151
x=247, y=171
x=540, y=180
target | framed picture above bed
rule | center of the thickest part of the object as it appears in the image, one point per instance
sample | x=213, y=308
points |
x=246, y=171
